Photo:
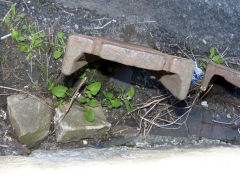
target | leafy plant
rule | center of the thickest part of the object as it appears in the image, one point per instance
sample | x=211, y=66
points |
x=215, y=58
x=59, y=91
x=94, y=88
x=111, y=102
x=26, y=37
x=82, y=100
x=93, y=103
x=58, y=45
x=91, y=90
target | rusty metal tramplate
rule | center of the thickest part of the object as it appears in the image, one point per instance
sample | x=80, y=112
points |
x=227, y=73
x=180, y=70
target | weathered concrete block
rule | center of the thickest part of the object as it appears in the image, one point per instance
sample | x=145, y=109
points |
x=81, y=48
x=29, y=118
x=230, y=75
x=75, y=127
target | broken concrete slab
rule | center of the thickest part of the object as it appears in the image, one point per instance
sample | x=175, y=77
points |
x=29, y=118
x=230, y=75
x=178, y=70
x=74, y=126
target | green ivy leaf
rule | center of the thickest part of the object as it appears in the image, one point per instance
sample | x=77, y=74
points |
x=130, y=93
x=57, y=54
x=116, y=103
x=93, y=103
x=89, y=115
x=59, y=91
x=82, y=100
x=94, y=88
x=212, y=52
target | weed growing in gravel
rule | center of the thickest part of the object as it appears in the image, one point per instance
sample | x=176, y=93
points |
x=213, y=57
x=58, y=46
x=28, y=40
x=123, y=98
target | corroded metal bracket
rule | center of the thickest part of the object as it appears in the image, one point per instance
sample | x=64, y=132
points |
x=180, y=70
x=227, y=73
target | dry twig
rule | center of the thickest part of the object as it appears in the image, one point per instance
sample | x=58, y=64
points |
x=28, y=93
x=71, y=102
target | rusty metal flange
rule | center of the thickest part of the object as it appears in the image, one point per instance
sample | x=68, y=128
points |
x=180, y=70
x=227, y=73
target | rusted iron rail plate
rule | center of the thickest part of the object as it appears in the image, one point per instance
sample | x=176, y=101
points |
x=180, y=70
x=227, y=73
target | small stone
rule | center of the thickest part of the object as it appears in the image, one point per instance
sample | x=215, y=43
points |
x=204, y=104
x=76, y=26
x=3, y=114
x=204, y=41
x=74, y=126
x=29, y=118
x=229, y=116
x=85, y=142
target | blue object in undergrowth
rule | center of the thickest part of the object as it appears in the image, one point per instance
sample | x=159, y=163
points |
x=198, y=73
x=45, y=26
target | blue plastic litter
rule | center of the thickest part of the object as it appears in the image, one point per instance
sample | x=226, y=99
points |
x=45, y=26
x=198, y=73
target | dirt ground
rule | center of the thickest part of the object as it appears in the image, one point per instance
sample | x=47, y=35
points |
x=33, y=75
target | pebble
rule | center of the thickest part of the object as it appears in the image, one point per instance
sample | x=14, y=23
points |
x=229, y=116
x=76, y=26
x=85, y=142
x=3, y=114
x=204, y=103
x=204, y=41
